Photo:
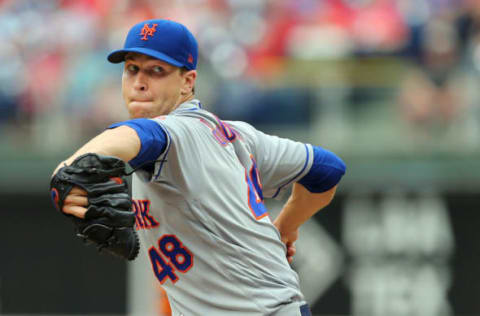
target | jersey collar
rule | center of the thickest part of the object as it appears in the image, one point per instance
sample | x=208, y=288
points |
x=191, y=105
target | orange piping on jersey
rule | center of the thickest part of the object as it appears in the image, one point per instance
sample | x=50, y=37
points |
x=257, y=174
x=248, y=197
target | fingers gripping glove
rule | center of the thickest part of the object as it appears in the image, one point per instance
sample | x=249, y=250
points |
x=109, y=221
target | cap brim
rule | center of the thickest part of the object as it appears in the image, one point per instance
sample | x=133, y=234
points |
x=118, y=56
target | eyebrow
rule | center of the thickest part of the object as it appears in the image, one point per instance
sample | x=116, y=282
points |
x=133, y=57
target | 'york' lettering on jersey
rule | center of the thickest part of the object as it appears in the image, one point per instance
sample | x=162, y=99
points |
x=143, y=218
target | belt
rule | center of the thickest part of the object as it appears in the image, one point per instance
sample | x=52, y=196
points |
x=305, y=310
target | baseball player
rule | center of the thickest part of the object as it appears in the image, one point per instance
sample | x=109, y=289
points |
x=199, y=187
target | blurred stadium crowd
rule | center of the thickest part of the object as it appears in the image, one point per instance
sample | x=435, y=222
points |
x=356, y=75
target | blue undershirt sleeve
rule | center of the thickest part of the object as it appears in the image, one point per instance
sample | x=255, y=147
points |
x=152, y=137
x=326, y=171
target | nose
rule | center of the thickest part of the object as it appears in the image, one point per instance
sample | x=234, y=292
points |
x=140, y=83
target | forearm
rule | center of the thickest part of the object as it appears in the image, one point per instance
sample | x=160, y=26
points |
x=301, y=206
x=122, y=142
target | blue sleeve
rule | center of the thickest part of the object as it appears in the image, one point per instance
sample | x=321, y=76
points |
x=326, y=171
x=152, y=137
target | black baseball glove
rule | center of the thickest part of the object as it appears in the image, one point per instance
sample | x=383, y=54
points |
x=109, y=221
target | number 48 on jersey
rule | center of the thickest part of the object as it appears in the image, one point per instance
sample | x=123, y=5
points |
x=178, y=258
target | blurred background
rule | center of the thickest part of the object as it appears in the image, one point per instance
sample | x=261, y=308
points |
x=392, y=86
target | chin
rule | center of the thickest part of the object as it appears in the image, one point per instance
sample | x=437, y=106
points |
x=140, y=114
x=135, y=116
x=136, y=111
x=145, y=110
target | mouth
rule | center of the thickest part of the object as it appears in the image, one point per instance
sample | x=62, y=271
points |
x=140, y=101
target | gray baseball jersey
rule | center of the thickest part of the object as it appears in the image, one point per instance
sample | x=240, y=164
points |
x=202, y=221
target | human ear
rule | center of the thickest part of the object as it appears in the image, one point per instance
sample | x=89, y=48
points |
x=189, y=78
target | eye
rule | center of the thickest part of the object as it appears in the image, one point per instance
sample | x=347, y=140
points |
x=132, y=68
x=157, y=69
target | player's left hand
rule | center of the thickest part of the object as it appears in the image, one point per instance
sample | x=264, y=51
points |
x=76, y=202
x=93, y=192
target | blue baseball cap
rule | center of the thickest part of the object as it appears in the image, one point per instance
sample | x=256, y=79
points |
x=166, y=40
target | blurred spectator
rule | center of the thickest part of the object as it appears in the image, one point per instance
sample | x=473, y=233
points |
x=258, y=56
x=430, y=94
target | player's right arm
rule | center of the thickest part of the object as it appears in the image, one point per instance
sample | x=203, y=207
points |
x=301, y=205
x=314, y=171
x=311, y=193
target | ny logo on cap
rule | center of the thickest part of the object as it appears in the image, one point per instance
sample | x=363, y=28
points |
x=148, y=31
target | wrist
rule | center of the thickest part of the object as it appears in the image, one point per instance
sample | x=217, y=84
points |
x=285, y=225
